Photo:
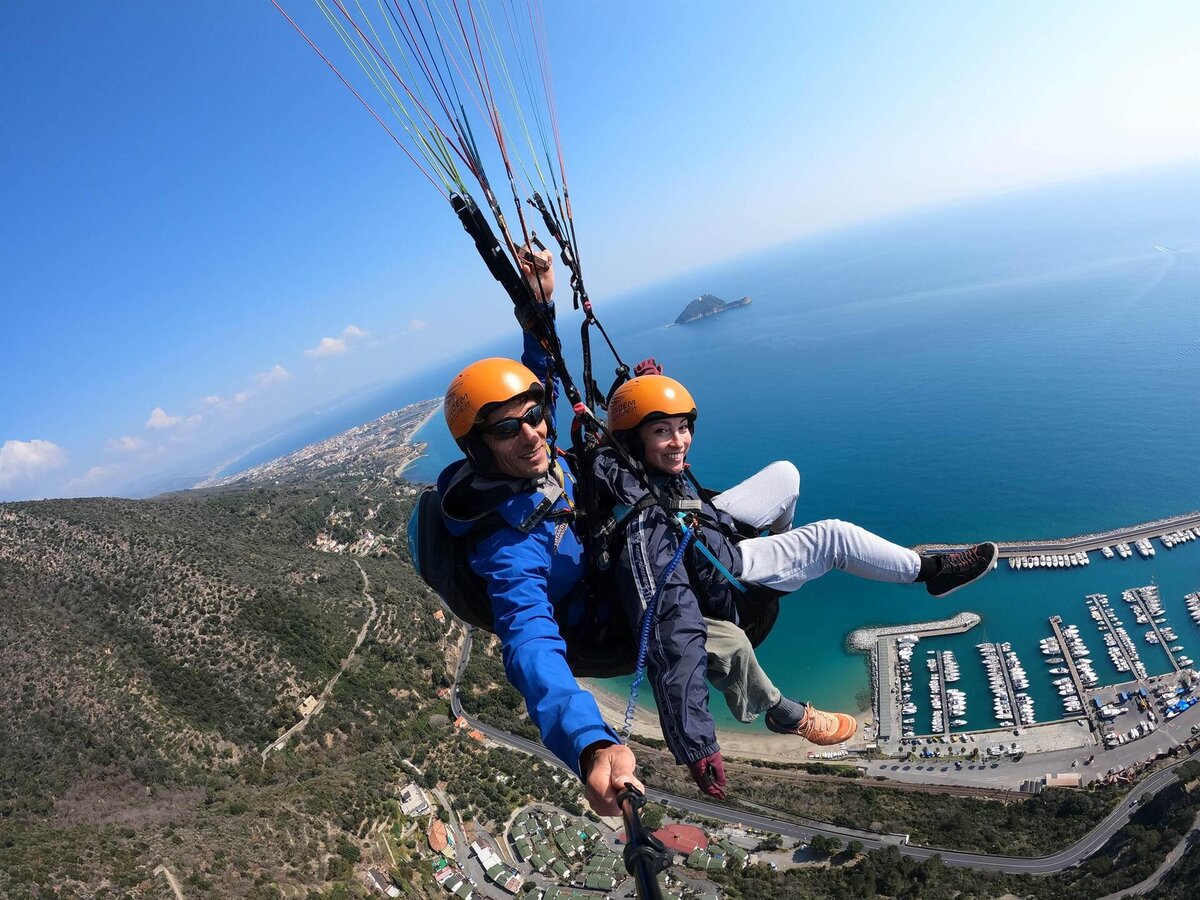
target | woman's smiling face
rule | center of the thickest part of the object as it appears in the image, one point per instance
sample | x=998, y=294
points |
x=667, y=442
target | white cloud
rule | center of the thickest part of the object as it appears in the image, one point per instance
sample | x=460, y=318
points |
x=263, y=380
x=328, y=347
x=91, y=476
x=417, y=324
x=127, y=444
x=159, y=419
x=20, y=460
x=272, y=376
x=214, y=401
x=84, y=483
x=336, y=346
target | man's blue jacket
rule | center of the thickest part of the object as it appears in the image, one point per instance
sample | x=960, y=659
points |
x=529, y=573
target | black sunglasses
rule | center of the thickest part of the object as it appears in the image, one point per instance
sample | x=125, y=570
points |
x=506, y=429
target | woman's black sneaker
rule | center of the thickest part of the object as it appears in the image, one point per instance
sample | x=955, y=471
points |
x=962, y=567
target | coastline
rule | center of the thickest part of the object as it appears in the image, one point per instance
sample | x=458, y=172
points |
x=761, y=744
x=412, y=438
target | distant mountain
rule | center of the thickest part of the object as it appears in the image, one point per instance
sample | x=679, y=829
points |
x=708, y=305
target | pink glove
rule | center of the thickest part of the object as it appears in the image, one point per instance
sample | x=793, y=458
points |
x=648, y=366
x=709, y=774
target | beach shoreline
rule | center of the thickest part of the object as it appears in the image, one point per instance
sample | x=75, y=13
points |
x=412, y=438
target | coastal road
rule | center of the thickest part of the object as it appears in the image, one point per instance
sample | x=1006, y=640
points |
x=807, y=829
x=1144, y=887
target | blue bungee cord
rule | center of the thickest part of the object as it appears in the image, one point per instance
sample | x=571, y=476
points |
x=647, y=620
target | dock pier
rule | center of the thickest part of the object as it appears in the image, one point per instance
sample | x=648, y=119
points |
x=1008, y=685
x=1110, y=622
x=1140, y=602
x=941, y=671
x=1069, y=658
x=887, y=707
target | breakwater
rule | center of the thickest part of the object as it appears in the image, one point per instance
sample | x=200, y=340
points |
x=1093, y=541
x=863, y=640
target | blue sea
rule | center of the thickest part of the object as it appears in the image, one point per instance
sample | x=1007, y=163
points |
x=1021, y=366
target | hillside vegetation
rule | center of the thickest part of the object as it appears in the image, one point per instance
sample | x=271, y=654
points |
x=151, y=650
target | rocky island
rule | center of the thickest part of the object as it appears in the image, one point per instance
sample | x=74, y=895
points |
x=707, y=305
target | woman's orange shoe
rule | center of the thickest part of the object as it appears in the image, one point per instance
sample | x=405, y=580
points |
x=819, y=727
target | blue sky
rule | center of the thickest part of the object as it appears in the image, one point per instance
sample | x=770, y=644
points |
x=205, y=233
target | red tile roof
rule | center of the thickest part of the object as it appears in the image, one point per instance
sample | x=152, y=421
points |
x=682, y=838
x=437, y=836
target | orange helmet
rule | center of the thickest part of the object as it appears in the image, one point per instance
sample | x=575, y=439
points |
x=480, y=387
x=646, y=398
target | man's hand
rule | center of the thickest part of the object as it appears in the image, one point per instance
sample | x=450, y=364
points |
x=709, y=774
x=541, y=275
x=611, y=767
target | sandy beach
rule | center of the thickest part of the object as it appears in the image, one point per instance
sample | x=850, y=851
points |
x=760, y=744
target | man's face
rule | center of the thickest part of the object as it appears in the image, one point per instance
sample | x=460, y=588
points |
x=525, y=455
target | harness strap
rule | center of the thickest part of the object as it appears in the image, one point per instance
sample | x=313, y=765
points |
x=639, y=671
x=725, y=573
x=617, y=520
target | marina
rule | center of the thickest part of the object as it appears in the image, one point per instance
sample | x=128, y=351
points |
x=1069, y=673
x=1003, y=698
x=890, y=653
x=949, y=704
x=1179, y=537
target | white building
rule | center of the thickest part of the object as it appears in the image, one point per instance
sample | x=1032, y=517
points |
x=413, y=802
